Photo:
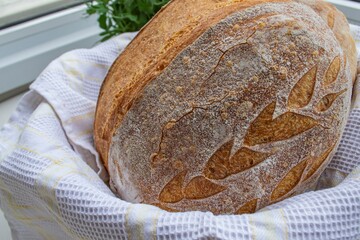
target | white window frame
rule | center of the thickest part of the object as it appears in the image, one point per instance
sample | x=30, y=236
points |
x=27, y=48
x=16, y=11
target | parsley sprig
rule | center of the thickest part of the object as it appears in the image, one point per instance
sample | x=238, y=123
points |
x=118, y=16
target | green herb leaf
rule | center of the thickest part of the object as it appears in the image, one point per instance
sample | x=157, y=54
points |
x=118, y=16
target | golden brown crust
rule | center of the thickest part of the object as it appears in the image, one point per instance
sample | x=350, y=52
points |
x=336, y=20
x=243, y=110
x=153, y=48
x=249, y=207
x=289, y=182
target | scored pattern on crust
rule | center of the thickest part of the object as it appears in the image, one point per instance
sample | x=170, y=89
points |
x=333, y=71
x=173, y=191
x=265, y=129
x=317, y=162
x=217, y=166
x=326, y=102
x=249, y=207
x=289, y=182
x=199, y=187
x=220, y=165
x=331, y=19
x=301, y=94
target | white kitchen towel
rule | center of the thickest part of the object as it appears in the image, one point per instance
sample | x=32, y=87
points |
x=53, y=186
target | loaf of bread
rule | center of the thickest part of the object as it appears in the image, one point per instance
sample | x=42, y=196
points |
x=226, y=105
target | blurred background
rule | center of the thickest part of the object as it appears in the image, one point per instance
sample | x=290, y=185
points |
x=35, y=32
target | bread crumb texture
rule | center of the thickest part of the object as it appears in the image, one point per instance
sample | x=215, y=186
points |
x=238, y=105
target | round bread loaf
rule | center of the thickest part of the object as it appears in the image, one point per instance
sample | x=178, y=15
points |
x=226, y=106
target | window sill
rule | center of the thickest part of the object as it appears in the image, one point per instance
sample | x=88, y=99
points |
x=26, y=49
x=20, y=10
